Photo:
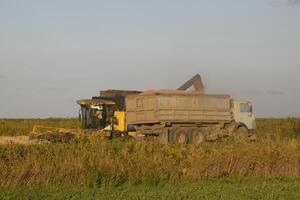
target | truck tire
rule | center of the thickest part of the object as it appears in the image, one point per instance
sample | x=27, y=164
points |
x=197, y=137
x=242, y=134
x=180, y=136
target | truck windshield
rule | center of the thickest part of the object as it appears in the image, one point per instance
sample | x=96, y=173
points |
x=245, y=107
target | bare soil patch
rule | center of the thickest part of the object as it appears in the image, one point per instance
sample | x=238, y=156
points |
x=5, y=140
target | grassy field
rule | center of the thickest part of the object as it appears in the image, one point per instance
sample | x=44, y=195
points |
x=278, y=129
x=117, y=162
x=267, y=169
x=209, y=190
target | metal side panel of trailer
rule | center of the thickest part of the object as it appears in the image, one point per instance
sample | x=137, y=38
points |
x=153, y=108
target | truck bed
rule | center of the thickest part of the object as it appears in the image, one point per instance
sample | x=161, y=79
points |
x=153, y=107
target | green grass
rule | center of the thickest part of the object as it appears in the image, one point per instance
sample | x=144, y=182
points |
x=166, y=190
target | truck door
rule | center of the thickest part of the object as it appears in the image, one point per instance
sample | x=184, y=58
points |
x=243, y=114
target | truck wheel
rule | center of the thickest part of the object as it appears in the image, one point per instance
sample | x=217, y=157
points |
x=181, y=136
x=198, y=137
x=242, y=134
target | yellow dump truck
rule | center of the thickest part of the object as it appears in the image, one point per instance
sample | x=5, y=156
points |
x=170, y=116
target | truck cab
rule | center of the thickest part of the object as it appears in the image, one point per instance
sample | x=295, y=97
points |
x=242, y=113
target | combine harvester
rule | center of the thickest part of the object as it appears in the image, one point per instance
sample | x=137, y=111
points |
x=170, y=116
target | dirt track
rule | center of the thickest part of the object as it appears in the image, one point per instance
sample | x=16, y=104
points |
x=5, y=140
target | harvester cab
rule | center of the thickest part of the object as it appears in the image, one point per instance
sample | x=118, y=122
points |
x=105, y=112
x=96, y=113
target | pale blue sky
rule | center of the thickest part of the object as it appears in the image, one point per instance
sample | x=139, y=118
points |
x=57, y=51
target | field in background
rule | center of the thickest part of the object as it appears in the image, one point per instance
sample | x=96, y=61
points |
x=267, y=169
x=278, y=129
x=16, y=127
x=267, y=129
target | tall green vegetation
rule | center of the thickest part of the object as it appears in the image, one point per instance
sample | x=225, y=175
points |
x=98, y=162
